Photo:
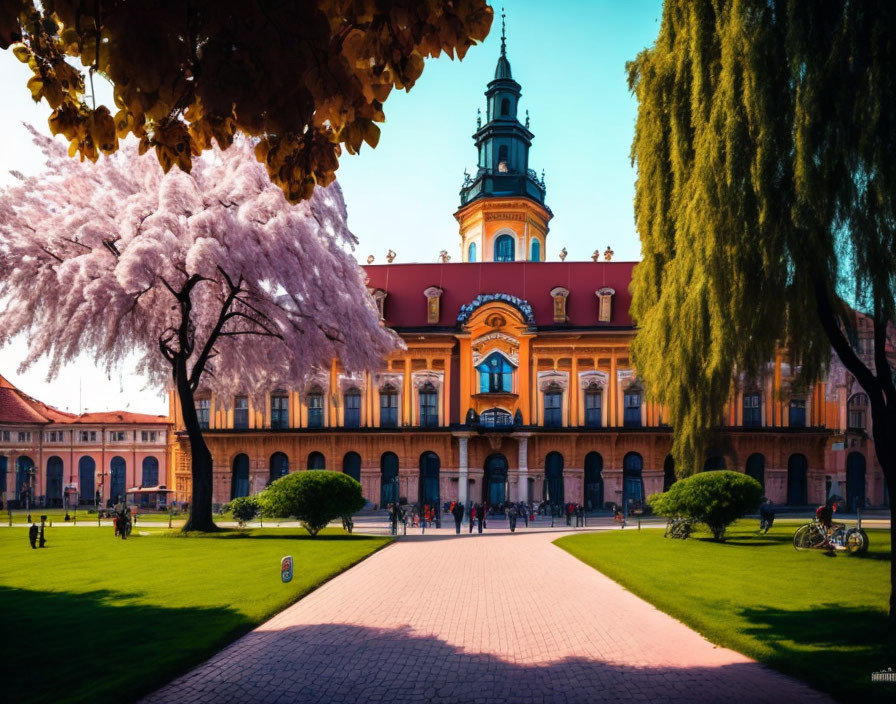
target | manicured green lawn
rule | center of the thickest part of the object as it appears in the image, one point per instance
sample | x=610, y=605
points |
x=95, y=618
x=819, y=618
x=57, y=515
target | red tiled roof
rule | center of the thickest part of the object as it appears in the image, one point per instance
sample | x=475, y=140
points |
x=19, y=407
x=113, y=417
x=531, y=281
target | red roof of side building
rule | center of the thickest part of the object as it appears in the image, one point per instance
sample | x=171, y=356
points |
x=530, y=281
x=18, y=407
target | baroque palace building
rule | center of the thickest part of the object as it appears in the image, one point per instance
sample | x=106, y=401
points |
x=517, y=383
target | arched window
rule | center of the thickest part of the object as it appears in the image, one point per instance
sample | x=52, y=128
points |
x=505, y=107
x=351, y=465
x=315, y=401
x=388, y=479
x=752, y=410
x=316, y=461
x=536, y=251
x=278, y=466
x=502, y=159
x=239, y=477
x=857, y=412
x=553, y=407
x=553, y=478
x=756, y=468
x=669, y=477
x=855, y=481
x=25, y=478
x=429, y=406
x=714, y=463
x=150, y=471
x=504, y=249
x=429, y=479
x=86, y=474
x=495, y=375
x=594, y=483
x=388, y=407
x=797, y=416
x=352, y=399
x=54, y=480
x=632, y=481
x=471, y=252
x=593, y=406
x=117, y=479
x=495, y=418
x=797, y=480
x=632, y=409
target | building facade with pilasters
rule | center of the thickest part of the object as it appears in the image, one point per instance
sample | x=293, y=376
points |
x=517, y=382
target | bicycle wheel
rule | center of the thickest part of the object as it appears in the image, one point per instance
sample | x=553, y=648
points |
x=856, y=541
x=802, y=539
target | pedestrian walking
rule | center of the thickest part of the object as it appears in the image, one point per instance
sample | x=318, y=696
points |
x=472, y=516
x=457, y=510
x=512, y=514
x=480, y=515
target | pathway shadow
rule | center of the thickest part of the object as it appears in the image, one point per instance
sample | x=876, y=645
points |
x=99, y=646
x=346, y=663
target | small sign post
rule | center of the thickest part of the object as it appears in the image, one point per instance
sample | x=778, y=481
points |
x=286, y=569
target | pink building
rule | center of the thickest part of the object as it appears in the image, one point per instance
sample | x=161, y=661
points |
x=47, y=454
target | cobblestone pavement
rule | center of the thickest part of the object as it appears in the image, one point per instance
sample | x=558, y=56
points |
x=494, y=618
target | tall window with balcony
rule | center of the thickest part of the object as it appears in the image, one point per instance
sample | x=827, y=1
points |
x=553, y=407
x=315, y=409
x=495, y=375
x=279, y=411
x=857, y=410
x=797, y=416
x=632, y=409
x=352, y=399
x=203, y=412
x=429, y=406
x=388, y=407
x=752, y=410
x=504, y=247
x=593, y=406
x=241, y=413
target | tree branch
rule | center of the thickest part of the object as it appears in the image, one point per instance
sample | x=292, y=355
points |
x=882, y=366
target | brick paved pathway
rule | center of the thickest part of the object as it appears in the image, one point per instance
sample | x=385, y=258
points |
x=492, y=618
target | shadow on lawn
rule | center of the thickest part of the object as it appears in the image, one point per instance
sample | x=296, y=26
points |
x=100, y=646
x=831, y=646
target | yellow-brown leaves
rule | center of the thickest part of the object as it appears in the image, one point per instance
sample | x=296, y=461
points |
x=305, y=79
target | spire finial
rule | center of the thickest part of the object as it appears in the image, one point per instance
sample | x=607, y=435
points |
x=503, y=34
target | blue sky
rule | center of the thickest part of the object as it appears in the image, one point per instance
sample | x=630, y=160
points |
x=568, y=56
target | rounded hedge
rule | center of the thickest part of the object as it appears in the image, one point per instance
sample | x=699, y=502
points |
x=244, y=508
x=315, y=497
x=716, y=498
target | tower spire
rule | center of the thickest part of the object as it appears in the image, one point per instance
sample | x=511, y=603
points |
x=503, y=34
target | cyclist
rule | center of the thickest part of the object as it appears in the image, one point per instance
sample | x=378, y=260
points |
x=825, y=516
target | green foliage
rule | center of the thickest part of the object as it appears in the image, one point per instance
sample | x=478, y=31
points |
x=766, y=191
x=714, y=498
x=315, y=497
x=244, y=509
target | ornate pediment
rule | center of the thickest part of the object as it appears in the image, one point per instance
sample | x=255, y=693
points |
x=593, y=377
x=553, y=378
x=421, y=379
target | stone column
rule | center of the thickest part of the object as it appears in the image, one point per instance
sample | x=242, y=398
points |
x=522, y=482
x=463, y=483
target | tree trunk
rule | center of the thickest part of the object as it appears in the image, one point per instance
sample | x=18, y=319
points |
x=200, y=457
x=884, y=434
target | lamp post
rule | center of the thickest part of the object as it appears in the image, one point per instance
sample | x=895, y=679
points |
x=98, y=496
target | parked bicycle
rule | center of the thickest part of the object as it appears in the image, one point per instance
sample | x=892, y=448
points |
x=813, y=536
x=679, y=528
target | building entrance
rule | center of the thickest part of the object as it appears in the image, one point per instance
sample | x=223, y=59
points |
x=494, y=484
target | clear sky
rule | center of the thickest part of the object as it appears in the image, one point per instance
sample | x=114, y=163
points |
x=569, y=57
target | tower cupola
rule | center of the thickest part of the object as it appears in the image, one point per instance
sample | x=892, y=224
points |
x=503, y=174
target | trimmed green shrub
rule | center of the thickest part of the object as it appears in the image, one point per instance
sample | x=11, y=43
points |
x=315, y=497
x=244, y=509
x=715, y=498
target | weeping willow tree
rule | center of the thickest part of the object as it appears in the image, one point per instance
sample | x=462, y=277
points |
x=765, y=148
